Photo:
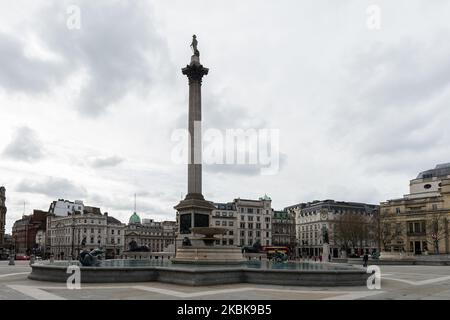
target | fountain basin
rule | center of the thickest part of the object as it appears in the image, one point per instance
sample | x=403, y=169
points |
x=292, y=274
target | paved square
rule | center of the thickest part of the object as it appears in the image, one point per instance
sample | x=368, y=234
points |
x=398, y=282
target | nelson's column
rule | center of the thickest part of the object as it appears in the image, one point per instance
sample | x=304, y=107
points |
x=194, y=210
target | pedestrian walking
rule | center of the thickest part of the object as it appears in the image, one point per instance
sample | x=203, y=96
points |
x=365, y=260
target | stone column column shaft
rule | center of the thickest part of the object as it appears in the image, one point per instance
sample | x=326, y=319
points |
x=195, y=72
x=195, y=140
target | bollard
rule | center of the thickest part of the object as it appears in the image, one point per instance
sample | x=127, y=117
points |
x=32, y=259
x=52, y=259
x=11, y=260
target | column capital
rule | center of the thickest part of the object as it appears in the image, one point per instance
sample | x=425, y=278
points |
x=195, y=72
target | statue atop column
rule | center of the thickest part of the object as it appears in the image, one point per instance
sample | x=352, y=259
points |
x=194, y=46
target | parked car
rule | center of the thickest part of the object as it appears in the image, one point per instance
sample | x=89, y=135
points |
x=21, y=256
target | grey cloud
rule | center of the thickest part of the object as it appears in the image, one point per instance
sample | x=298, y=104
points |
x=117, y=48
x=398, y=102
x=145, y=207
x=26, y=74
x=25, y=146
x=107, y=162
x=401, y=74
x=53, y=187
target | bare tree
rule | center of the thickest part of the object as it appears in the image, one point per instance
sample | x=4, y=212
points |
x=387, y=232
x=438, y=227
x=352, y=230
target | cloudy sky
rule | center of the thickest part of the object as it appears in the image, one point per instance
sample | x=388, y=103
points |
x=89, y=113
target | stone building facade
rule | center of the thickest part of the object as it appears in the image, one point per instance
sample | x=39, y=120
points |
x=157, y=236
x=24, y=231
x=248, y=221
x=63, y=207
x=283, y=229
x=2, y=215
x=225, y=215
x=90, y=229
x=418, y=223
x=255, y=221
x=312, y=219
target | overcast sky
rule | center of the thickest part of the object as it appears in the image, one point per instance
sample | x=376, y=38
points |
x=88, y=113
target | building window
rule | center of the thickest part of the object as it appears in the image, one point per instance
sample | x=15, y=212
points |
x=231, y=223
x=230, y=242
x=258, y=226
x=217, y=223
x=112, y=231
x=224, y=223
x=242, y=225
x=250, y=233
x=250, y=225
x=397, y=210
x=249, y=210
x=230, y=232
x=242, y=218
x=118, y=231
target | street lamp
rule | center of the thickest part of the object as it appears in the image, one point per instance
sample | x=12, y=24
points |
x=73, y=233
x=78, y=243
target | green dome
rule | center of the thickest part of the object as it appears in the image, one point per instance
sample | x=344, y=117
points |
x=135, y=219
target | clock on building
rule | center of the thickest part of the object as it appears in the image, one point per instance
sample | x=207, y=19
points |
x=324, y=215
